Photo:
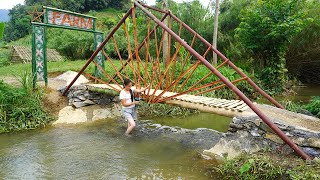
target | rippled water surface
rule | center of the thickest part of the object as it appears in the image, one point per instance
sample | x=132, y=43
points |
x=201, y=120
x=95, y=151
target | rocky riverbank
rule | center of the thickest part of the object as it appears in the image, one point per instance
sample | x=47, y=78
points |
x=251, y=134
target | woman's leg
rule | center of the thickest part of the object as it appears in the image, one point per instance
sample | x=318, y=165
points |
x=131, y=125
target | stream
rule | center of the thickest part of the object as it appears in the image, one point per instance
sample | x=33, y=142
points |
x=99, y=150
x=161, y=148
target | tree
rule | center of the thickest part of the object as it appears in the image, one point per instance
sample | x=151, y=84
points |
x=19, y=24
x=303, y=54
x=265, y=30
x=198, y=18
x=1, y=30
x=215, y=31
x=229, y=20
x=166, y=53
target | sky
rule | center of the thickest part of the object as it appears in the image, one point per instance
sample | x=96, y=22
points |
x=8, y=4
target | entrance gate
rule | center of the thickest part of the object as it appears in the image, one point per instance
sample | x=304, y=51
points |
x=58, y=18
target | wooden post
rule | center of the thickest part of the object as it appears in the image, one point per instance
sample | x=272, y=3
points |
x=166, y=44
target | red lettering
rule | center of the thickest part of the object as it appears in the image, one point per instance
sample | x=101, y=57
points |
x=83, y=23
x=90, y=23
x=76, y=21
x=55, y=15
x=66, y=19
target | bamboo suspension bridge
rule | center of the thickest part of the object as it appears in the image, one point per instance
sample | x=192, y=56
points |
x=171, y=81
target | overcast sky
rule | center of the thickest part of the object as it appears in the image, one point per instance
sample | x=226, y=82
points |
x=8, y=4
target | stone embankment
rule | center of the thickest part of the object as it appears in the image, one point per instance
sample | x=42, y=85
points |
x=251, y=134
x=85, y=106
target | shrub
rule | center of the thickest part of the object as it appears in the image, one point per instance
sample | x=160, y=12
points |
x=20, y=107
x=314, y=106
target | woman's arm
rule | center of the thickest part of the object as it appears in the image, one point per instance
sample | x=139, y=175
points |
x=141, y=90
x=125, y=104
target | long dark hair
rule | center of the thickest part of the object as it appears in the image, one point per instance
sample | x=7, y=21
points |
x=126, y=82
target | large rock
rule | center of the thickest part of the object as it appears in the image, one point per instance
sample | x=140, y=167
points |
x=79, y=104
x=69, y=76
x=231, y=148
x=69, y=115
x=102, y=114
x=314, y=142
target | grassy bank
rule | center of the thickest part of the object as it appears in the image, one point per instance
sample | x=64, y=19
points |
x=313, y=107
x=21, y=107
x=62, y=66
x=267, y=165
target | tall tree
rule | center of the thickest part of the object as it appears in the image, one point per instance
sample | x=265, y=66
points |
x=266, y=28
x=1, y=30
x=166, y=53
x=215, y=31
x=19, y=24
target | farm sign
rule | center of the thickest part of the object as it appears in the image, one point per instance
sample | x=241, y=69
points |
x=58, y=18
x=69, y=19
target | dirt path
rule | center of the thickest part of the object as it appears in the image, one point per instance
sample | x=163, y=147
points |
x=10, y=80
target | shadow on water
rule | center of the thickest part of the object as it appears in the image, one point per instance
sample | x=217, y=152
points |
x=97, y=150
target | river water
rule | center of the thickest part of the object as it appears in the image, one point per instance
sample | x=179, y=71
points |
x=303, y=95
x=99, y=150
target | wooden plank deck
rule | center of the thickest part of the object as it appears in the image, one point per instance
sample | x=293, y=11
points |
x=223, y=104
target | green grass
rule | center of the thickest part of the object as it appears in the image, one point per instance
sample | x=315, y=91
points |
x=62, y=66
x=313, y=107
x=267, y=166
x=4, y=56
x=21, y=107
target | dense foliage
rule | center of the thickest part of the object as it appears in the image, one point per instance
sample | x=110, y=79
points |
x=1, y=30
x=20, y=107
x=303, y=60
x=261, y=37
x=19, y=24
x=265, y=30
x=314, y=106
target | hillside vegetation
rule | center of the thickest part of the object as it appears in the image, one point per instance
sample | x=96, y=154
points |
x=255, y=35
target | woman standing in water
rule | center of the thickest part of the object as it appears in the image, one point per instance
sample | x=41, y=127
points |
x=129, y=105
